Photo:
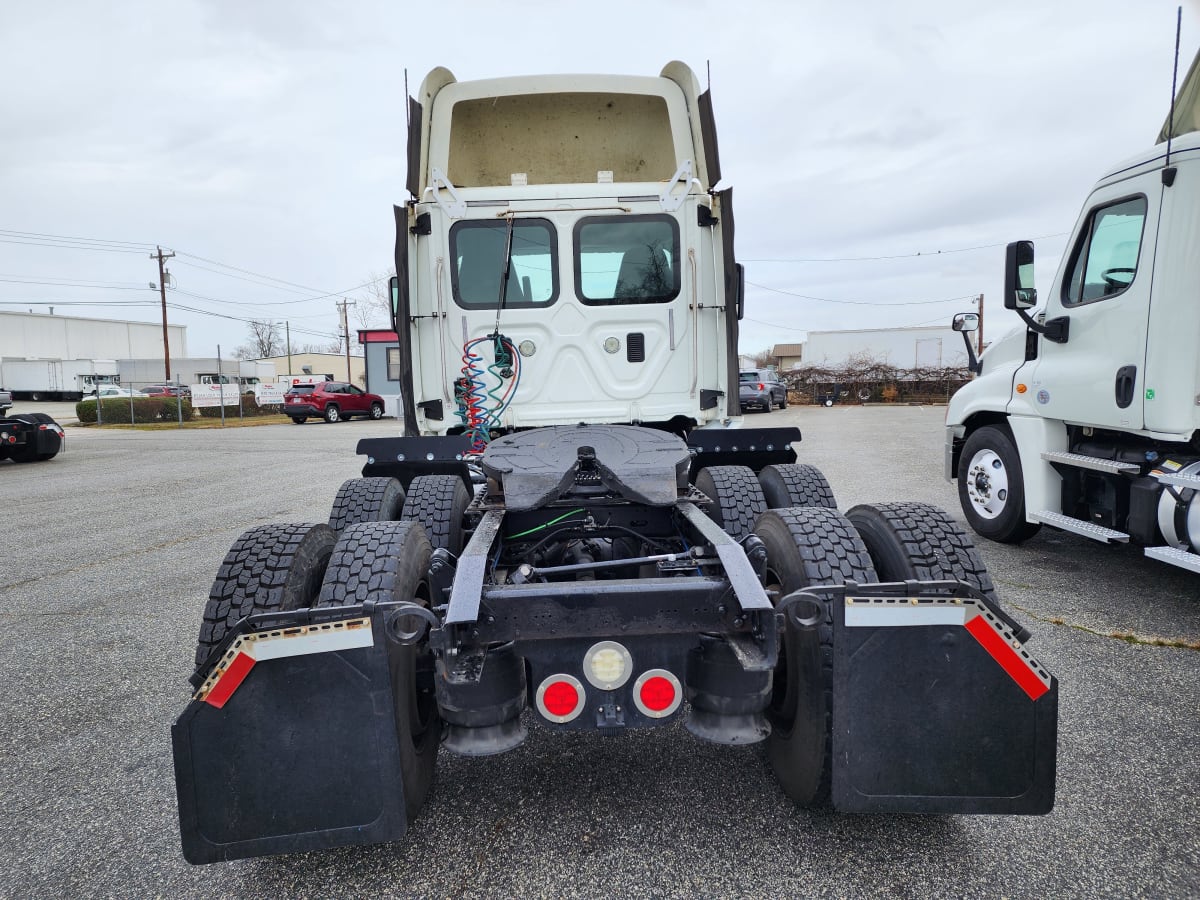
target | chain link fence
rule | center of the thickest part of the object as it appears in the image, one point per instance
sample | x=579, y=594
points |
x=159, y=403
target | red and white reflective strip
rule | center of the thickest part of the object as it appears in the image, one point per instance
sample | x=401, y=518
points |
x=560, y=698
x=249, y=649
x=657, y=693
x=967, y=612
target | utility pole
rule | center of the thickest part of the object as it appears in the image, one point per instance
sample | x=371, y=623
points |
x=346, y=333
x=288, y=327
x=162, y=292
x=979, y=333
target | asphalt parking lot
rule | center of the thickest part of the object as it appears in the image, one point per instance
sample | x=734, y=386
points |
x=106, y=557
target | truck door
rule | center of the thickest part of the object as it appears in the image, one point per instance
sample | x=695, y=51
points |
x=1097, y=377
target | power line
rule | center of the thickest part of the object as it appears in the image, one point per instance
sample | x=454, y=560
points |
x=919, y=253
x=62, y=246
x=213, y=262
x=75, y=283
x=857, y=302
x=65, y=237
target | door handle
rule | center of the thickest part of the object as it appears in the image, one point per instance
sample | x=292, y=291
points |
x=1126, y=379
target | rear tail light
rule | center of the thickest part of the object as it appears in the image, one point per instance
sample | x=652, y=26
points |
x=761, y=386
x=560, y=698
x=657, y=693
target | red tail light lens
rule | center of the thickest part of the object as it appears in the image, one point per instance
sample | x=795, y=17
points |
x=657, y=693
x=761, y=386
x=560, y=698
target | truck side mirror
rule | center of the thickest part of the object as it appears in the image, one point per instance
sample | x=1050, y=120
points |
x=1019, y=292
x=965, y=322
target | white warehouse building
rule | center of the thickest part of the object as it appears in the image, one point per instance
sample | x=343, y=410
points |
x=26, y=335
x=930, y=346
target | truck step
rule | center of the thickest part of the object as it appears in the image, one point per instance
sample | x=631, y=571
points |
x=1183, y=481
x=1095, y=463
x=1176, y=557
x=1080, y=526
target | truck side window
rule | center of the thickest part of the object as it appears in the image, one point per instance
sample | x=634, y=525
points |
x=1105, y=259
x=477, y=247
x=626, y=259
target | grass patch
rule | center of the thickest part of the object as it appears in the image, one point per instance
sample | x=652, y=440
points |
x=1127, y=637
x=230, y=422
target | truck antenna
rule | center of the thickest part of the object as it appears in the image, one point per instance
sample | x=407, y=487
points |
x=1168, y=175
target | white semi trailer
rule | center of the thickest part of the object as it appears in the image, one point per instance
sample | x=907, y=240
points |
x=55, y=379
x=1088, y=419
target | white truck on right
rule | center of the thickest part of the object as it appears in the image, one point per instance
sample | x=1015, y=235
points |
x=1088, y=419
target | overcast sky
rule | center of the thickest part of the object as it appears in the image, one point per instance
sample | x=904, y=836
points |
x=269, y=137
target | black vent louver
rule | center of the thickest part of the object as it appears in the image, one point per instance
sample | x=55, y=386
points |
x=635, y=346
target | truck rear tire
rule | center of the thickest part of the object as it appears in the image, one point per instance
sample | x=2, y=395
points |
x=438, y=502
x=795, y=484
x=270, y=568
x=919, y=541
x=737, y=498
x=807, y=547
x=990, y=486
x=387, y=562
x=366, y=500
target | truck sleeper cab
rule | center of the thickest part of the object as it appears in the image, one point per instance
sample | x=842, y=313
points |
x=593, y=200
x=1088, y=419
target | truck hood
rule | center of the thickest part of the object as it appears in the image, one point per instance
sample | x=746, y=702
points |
x=991, y=390
x=1008, y=348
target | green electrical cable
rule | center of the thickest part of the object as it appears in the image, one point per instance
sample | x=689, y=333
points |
x=513, y=537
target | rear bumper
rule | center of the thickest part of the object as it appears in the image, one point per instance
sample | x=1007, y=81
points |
x=301, y=409
x=755, y=398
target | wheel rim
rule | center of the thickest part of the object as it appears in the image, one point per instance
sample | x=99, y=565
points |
x=987, y=484
x=332, y=414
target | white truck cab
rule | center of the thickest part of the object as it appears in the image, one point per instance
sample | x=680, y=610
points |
x=566, y=256
x=1088, y=419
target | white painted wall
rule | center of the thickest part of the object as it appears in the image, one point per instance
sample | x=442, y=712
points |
x=43, y=336
x=901, y=347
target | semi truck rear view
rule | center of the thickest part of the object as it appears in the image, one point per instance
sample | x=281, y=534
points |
x=1088, y=419
x=575, y=532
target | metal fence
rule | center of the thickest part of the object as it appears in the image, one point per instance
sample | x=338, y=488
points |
x=164, y=403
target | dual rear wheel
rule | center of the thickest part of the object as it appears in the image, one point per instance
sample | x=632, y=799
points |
x=376, y=546
x=809, y=543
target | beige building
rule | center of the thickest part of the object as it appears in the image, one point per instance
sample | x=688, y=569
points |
x=787, y=356
x=333, y=364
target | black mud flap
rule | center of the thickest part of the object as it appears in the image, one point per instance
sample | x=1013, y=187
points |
x=290, y=745
x=938, y=709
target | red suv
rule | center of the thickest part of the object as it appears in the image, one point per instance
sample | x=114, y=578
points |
x=331, y=400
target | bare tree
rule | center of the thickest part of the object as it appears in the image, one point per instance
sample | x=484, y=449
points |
x=764, y=358
x=265, y=340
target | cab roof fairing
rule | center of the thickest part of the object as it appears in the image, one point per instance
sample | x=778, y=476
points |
x=692, y=130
